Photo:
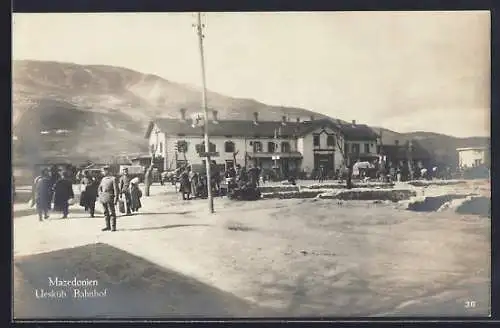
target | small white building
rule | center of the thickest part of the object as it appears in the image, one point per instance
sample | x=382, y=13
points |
x=473, y=156
x=285, y=145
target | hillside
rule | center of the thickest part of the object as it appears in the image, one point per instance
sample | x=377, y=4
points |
x=95, y=112
x=443, y=147
x=103, y=110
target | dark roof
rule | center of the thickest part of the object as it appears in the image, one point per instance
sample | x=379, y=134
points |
x=358, y=132
x=246, y=128
x=239, y=128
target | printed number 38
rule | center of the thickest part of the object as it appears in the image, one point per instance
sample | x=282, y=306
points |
x=470, y=304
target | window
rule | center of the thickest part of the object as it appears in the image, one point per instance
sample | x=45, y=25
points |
x=182, y=146
x=367, y=148
x=355, y=148
x=285, y=147
x=200, y=148
x=477, y=162
x=271, y=147
x=229, y=164
x=316, y=140
x=161, y=147
x=229, y=147
x=330, y=141
x=257, y=146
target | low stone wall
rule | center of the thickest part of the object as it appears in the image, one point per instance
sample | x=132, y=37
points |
x=374, y=185
x=370, y=194
x=424, y=183
x=271, y=189
x=292, y=194
x=352, y=194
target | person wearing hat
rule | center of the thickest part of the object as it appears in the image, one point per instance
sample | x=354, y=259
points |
x=63, y=192
x=124, y=187
x=108, y=196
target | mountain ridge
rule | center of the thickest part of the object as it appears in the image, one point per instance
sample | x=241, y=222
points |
x=106, y=110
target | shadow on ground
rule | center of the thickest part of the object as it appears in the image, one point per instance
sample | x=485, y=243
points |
x=169, y=226
x=134, y=288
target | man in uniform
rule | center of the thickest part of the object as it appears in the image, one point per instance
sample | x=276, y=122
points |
x=124, y=187
x=108, y=195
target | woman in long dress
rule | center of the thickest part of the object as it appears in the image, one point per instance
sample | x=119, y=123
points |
x=185, y=185
x=135, y=195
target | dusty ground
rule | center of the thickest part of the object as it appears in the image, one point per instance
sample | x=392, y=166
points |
x=301, y=257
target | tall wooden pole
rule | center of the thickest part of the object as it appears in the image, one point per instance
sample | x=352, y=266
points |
x=199, y=28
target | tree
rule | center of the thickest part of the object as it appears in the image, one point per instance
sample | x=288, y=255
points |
x=348, y=158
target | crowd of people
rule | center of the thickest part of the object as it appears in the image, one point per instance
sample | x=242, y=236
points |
x=194, y=184
x=53, y=190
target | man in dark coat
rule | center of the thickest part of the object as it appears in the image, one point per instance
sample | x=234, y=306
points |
x=124, y=187
x=89, y=193
x=108, y=196
x=63, y=191
x=41, y=194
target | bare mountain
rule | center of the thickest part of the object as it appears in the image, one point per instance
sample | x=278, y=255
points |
x=100, y=110
x=92, y=111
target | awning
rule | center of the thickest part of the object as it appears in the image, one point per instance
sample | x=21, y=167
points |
x=275, y=155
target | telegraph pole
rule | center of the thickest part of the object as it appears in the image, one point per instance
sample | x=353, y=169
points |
x=199, y=29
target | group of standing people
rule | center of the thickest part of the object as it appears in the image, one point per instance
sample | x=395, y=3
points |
x=194, y=184
x=52, y=187
x=57, y=188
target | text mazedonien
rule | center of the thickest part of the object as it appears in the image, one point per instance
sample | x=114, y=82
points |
x=75, y=282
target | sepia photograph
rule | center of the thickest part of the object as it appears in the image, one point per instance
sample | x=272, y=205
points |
x=251, y=165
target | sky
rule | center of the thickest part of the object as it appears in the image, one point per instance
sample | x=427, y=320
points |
x=406, y=71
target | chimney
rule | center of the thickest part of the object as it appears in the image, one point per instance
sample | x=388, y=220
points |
x=255, y=118
x=183, y=114
x=283, y=120
x=214, y=114
x=312, y=117
x=353, y=122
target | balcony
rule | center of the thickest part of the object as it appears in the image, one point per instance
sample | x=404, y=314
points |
x=293, y=154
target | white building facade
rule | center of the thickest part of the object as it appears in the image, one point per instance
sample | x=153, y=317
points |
x=284, y=146
x=473, y=156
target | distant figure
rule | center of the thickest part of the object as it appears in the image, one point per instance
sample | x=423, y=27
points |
x=63, y=192
x=194, y=180
x=253, y=177
x=321, y=174
x=435, y=172
x=41, y=194
x=124, y=187
x=423, y=173
x=148, y=179
x=108, y=196
x=135, y=195
x=215, y=177
x=185, y=185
